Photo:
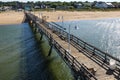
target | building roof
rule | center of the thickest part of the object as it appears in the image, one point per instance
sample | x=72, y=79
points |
x=109, y=3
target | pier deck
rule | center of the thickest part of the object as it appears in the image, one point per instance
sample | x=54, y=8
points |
x=82, y=58
x=92, y=59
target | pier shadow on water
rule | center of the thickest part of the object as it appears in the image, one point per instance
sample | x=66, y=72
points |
x=33, y=65
x=55, y=65
x=21, y=58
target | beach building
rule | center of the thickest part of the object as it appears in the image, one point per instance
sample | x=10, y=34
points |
x=61, y=7
x=43, y=6
x=103, y=5
x=87, y=4
x=78, y=5
x=116, y=5
x=7, y=8
x=37, y=7
x=110, y=5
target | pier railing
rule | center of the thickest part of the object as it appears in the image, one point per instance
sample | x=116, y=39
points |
x=82, y=44
x=80, y=70
x=89, y=50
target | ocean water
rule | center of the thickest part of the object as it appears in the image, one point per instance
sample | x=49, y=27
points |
x=102, y=33
x=21, y=58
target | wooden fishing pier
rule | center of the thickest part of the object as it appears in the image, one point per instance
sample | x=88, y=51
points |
x=86, y=61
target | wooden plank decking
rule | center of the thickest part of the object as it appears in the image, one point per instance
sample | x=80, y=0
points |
x=100, y=71
x=89, y=60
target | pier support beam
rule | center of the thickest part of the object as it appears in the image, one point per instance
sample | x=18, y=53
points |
x=51, y=42
x=50, y=51
x=35, y=28
x=41, y=36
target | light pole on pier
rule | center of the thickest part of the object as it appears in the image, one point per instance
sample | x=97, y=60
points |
x=40, y=16
x=69, y=48
x=69, y=32
x=62, y=28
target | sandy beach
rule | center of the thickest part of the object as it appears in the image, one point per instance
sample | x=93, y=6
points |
x=81, y=15
x=11, y=17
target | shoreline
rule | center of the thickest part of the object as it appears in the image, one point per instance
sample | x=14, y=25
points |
x=78, y=15
x=12, y=17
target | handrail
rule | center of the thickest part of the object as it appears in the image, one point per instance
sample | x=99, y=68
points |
x=63, y=51
x=73, y=60
x=106, y=57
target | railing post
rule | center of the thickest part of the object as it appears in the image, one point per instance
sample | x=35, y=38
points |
x=105, y=58
x=51, y=45
x=77, y=41
x=84, y=45
x=83, y=73
x=65, y=54
x=73, y=61
x=70, y=37
x=94, y=51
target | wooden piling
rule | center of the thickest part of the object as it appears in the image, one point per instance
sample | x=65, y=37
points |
x=41, y=36
x=50, y=51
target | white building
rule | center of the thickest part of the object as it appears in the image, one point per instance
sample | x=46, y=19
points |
x=103, y=5
x=37, y=7
x=110, y=5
